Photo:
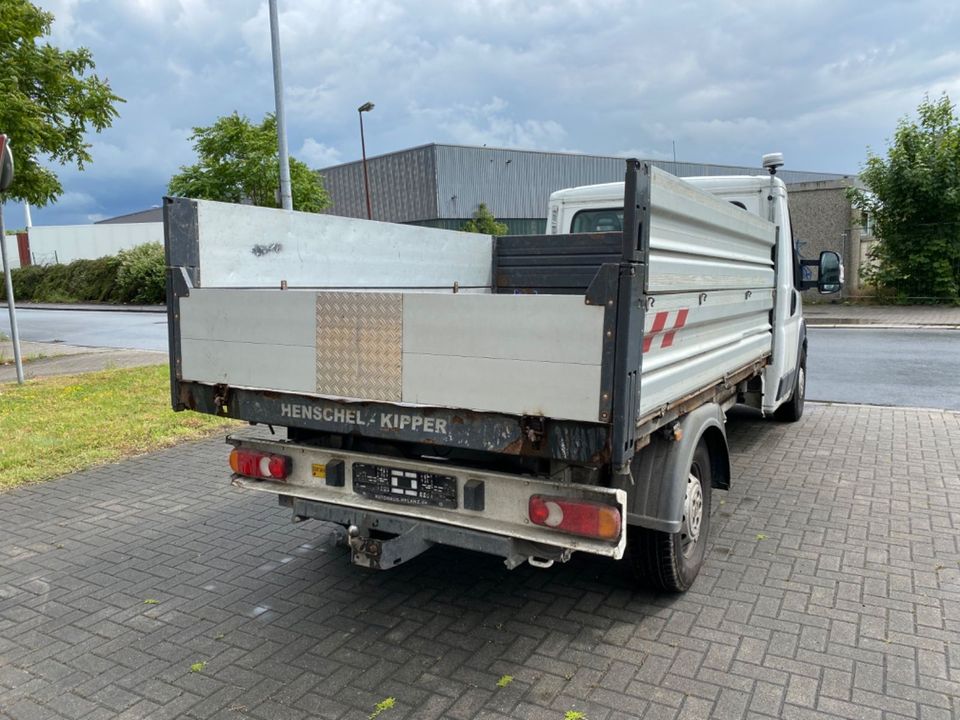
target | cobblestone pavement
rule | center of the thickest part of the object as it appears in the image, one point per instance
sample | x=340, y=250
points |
x=832, y=589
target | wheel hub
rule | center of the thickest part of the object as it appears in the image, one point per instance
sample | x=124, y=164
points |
x=692, y=513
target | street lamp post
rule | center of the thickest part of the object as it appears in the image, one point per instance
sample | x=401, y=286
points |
x=366, y=107
x=286, y=193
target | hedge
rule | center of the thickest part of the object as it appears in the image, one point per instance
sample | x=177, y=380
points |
x=132, y=276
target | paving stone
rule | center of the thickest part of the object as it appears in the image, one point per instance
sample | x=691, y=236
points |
x=848, y=608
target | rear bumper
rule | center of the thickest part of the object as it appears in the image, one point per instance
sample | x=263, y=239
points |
x=415, y=536
x=502, y=527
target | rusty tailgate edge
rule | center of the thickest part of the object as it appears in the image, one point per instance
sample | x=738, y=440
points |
x=444, y=427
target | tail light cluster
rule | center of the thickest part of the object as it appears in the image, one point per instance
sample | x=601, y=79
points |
x=260, y=465
x=576, y=517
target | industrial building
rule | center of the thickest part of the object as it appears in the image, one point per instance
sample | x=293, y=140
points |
x=439, y=185
x=442, y=185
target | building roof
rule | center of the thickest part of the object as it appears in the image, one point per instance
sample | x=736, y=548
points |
x=435, y=181
x=154, y=214
x=836, y=184
x=565, y=153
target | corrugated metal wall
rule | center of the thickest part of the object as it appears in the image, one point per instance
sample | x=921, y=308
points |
x=449, y=181
x=403, y=186
x=518, y=184
x=512, y=183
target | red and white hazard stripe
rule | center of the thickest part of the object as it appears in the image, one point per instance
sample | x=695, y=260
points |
x=660, y=321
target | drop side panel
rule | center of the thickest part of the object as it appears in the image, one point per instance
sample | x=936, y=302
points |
x=700, y=243
x=516, y=354
x=247, y=246
x=249, y=338
x=519, y=354
x=710, y=290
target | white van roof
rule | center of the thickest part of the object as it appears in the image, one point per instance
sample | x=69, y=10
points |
x=710, y=183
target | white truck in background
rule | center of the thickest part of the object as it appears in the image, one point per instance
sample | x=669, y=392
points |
x=525, y=396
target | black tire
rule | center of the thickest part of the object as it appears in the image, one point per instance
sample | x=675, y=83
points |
x=792, y=409
x=671, y=561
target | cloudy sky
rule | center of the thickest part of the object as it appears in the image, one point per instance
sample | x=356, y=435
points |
x=727, y=80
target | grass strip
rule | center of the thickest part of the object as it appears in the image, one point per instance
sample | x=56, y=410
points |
x=57, y=425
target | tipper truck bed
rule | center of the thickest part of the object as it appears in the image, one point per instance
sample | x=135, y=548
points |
x=527, y=396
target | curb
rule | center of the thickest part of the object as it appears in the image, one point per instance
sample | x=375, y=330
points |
x=90, y=308
x=846, y=325
x=879, y=406
x=61, y=365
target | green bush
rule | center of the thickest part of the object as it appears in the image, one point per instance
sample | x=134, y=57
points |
x=54, y=287
x=94, y=280
x=141, y=277
x=133, y=276
x=26, y=280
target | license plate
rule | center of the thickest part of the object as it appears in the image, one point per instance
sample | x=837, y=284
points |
x=407, y=487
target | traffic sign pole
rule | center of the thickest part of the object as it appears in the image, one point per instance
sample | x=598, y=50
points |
x=6, y=176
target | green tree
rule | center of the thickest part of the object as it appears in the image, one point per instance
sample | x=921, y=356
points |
x=49, y=100
x=237, y=162
x=484, y=222
x=913, y=196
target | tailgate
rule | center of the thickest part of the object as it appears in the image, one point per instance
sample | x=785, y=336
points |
x=515, y=354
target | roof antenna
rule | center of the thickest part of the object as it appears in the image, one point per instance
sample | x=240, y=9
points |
x=771, y=161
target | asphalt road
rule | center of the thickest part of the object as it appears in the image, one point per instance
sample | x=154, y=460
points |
x=133, y=330
x=909, y=368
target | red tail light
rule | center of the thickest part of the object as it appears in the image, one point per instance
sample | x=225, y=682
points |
x=576, y=517
x=260, y=465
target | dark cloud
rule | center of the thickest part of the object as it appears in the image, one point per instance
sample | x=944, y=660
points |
x=725, y=80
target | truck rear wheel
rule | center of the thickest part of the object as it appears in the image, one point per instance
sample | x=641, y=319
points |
x=671, y=561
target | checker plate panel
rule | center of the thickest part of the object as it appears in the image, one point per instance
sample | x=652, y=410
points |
x=360, y=345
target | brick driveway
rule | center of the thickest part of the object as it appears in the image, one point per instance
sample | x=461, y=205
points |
x=832, y=590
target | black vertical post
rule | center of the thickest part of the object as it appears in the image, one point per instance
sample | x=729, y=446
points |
x=631, y=223
x=182, y=256
x=630, y=309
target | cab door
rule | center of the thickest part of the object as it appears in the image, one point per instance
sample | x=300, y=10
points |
x=780, y=377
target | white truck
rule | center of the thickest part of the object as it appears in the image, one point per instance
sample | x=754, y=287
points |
x=525, y=396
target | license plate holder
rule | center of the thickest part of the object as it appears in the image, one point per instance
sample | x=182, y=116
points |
x=405, y=487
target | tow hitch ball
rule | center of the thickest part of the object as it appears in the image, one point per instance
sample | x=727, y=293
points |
x=363, y=551
x=380, y=554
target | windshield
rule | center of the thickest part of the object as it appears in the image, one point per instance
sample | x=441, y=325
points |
x=605, y=220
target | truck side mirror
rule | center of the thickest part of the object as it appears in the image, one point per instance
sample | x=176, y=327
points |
x=830, y=278
x=829, y=273
x=6, y=163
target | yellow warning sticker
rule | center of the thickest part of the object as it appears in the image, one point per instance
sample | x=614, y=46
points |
x=320, y=471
